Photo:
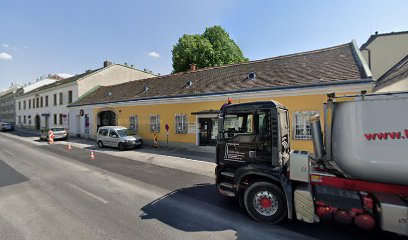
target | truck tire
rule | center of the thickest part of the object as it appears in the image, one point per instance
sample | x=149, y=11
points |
x=265, y=202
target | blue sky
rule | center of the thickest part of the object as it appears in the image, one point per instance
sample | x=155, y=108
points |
x=54, y=36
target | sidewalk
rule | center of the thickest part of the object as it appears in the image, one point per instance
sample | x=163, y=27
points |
x=176, y=158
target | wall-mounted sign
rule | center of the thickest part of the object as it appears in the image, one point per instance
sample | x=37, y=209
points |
x=81, y=112
x=191, y=128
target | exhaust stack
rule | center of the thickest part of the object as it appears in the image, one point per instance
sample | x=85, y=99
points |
x=316, y=130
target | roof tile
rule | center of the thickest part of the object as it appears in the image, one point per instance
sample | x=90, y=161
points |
x=302, y=69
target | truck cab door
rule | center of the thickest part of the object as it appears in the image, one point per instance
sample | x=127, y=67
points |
x=238, y=139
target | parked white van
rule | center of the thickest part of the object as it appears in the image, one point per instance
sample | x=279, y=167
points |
x=116, y=136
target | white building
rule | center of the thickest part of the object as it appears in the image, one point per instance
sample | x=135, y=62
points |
x=7, y=105
x=46, y=106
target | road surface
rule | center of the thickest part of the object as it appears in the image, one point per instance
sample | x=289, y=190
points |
x=49, y=192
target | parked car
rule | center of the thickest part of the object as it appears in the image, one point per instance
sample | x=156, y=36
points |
x=59, y=134
x=5, y=126
x=116, y=136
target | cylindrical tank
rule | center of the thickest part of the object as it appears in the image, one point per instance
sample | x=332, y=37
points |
x=316, y=130
x=370, y=138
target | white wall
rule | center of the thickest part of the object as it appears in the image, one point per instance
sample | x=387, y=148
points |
x=386, y=51
x=400, y=86
x=51, y=109
x=114, y=74
x=77, y=126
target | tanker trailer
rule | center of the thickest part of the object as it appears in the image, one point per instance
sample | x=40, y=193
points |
x=357, y=174
x=370, y=138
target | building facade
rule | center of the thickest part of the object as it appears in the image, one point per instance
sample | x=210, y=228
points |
x=395, y=79
x=7, y=106
x=383, y=51
x=187, y=104
x=46, y=107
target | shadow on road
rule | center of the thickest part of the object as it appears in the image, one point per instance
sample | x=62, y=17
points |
x=187, y=209
x=9, y=176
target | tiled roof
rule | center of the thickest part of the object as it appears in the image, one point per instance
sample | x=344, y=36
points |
x=324, y=66
x=63, y=81
x=398, y=72
x=374, y=36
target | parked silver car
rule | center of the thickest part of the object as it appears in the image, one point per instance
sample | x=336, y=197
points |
x=116, y=136
x=5, y=126
x=59, y=134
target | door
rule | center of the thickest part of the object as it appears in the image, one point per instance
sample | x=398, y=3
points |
x=47, y=122
x=107, y=138
x=113, y=138
x=206, y=132
x=246, y=136
x=78, y=125
x=37, y=122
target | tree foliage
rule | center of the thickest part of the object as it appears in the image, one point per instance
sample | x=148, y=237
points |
x=212, y=48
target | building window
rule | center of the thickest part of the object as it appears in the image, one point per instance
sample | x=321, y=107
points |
x=55, y=99
x=24, y=104
x=46, y=101
x=25, y=119
x=181, y=123
x=37, y=105
x=133, y=123
x=61, y=100
x=302, y=125
x=55, y=119
x=19, y=119
x=69, y=97
x=42, y=101
x=33, y=102
x=19, y=105
x=60, y=119
x=154, y=123
x=29, y=103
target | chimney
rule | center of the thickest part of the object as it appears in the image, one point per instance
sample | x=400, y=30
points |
x=192, y=67
x=106, y=64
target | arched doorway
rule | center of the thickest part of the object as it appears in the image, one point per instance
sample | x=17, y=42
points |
x=106, y=118
x=37, y=122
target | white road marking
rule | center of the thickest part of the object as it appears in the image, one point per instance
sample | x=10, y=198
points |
x=88, y=193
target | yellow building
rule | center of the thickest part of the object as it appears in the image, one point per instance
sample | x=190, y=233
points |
x=188, y=102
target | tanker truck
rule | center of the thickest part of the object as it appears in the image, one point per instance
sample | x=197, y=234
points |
x=357, y=174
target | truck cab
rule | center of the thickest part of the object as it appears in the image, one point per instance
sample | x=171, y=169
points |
x=253, y=146
x=356, y=175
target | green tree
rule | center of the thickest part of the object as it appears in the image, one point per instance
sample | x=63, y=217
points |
x=213, y=48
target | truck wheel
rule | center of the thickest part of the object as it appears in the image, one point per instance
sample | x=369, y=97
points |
x=100, y=144
x=265, y=202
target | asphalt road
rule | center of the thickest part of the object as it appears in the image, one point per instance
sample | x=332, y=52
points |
x=48, y=192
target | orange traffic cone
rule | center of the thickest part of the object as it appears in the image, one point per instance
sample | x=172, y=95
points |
x=69, y=146
x=92, y=155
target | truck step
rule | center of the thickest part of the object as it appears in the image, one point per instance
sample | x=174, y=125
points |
x=228, y=174
x=228, y=193
x=226, y=185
